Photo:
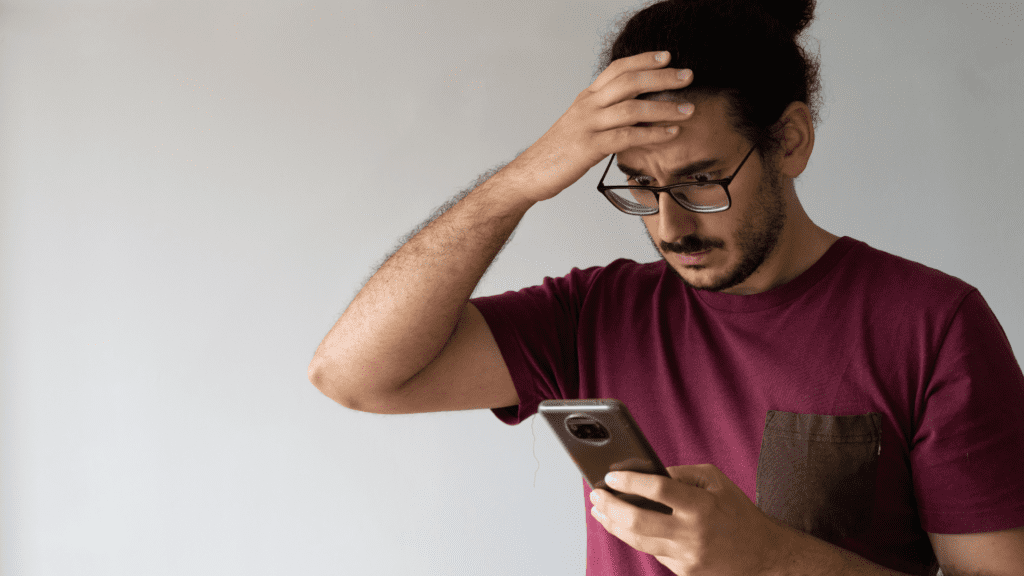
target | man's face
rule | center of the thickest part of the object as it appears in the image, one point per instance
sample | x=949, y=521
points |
x=718, y=251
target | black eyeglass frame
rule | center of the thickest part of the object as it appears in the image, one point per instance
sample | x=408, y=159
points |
x=657, y=190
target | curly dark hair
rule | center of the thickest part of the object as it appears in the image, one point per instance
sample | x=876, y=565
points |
x=744, y=50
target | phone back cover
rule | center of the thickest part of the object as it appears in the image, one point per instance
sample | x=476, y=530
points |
x=625, y=449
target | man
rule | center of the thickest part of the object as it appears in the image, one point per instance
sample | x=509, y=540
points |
x=840, y=410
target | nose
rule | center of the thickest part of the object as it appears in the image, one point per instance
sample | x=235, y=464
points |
x=674, y=221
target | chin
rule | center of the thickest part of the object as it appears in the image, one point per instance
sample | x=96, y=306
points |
x=699, y=277
x=708, y=278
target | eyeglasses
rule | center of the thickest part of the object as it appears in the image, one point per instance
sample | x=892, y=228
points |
x=700, y=197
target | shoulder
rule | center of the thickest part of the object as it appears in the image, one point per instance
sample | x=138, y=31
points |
x=885, y=277
x=625, y=279
x=620, y=274
x=579, y=286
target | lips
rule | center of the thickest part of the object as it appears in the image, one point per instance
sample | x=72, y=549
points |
x=693, y=259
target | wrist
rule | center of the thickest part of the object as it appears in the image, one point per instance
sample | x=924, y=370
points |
x=510, y=190
x=782, y=550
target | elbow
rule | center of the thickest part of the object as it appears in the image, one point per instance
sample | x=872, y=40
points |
x=327, y=384
x=338, y=386
x=315, y=372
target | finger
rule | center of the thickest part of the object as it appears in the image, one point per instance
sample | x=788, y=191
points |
x=671, y=492
x=627, y=521
x=705, y=476
x=631, y=112
x=632, y=84
x=642, y=61
x=619, y=139
x=618, y=529
x=650, y=544
x=650, y=486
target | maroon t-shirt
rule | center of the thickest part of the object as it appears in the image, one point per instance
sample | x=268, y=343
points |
x=868, y=401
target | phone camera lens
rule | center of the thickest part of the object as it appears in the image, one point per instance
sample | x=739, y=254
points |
x=586, y=429
x=590, y=431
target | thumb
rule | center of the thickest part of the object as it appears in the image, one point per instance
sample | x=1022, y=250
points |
x=704, y=476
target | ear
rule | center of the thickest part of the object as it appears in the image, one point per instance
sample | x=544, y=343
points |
x=797, y=130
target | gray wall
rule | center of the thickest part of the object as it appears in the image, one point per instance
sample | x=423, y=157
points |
x=193, y=191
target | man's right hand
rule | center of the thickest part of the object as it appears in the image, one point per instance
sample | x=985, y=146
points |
x=601, y=122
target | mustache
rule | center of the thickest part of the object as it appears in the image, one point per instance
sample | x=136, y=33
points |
x=690, y=244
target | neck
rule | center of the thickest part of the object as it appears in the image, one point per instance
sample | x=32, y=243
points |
x=800, y=245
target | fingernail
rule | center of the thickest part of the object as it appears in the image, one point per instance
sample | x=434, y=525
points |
x=661, y=56
x=685, y=74
x=594, y=497
x=686, y=108
x=612, y=479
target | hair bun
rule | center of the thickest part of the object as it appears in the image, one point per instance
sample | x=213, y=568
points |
x=793, y=15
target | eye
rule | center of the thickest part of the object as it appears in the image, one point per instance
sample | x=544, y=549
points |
x=704, y=176
x=641, y=180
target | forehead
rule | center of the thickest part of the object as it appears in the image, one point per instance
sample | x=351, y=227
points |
x=708, y=133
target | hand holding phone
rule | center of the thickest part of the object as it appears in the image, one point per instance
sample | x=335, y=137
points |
x=601, y=436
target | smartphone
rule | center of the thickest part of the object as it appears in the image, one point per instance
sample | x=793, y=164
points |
x=601, y=436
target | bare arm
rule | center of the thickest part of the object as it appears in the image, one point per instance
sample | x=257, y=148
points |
x=408, y=311
x=409, y=341
x=998, y=553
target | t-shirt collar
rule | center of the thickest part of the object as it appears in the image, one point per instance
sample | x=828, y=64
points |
x=780, y=294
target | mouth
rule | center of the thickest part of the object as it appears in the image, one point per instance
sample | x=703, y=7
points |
x=693, y=258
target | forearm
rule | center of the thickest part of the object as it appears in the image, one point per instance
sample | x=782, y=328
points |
x=408, y=309
x=804, y=555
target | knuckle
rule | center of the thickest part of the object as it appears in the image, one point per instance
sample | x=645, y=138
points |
x=630, y=520
x=621, y=112
x=703, y=509
x=697, y=555
x=655, y=134
x=712, y=474
x=652, y=133
x=646, y=79
x=617, y=67
x=604, y=144
x=644, y=108
x=637, y=134
x=660, y=491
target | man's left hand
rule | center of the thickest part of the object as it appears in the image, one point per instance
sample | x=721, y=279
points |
x=714, y=528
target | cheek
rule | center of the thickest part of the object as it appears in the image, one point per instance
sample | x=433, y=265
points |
x=651, y=224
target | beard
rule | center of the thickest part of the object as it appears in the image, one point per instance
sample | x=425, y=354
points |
x=756, y=238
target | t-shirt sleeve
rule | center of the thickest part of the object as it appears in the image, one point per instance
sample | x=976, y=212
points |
x=966, y=456
x=535, y=328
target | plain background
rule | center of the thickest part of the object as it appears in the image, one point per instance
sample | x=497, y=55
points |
x=192, y=192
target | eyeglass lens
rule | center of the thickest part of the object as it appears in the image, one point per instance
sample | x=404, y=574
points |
x=634, y=201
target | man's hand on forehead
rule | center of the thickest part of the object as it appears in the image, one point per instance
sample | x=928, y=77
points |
x=604, y=119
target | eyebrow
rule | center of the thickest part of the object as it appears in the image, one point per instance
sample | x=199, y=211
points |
x=688, y=170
